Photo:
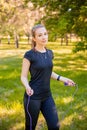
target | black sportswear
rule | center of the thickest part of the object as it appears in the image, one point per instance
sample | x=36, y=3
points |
x=40, y=71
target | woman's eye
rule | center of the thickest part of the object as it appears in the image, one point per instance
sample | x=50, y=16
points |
x=40, y=35
x=45, y=33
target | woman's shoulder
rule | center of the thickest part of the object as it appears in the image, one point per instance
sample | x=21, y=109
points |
x=28, y=54
x=50, y=52
x=29, y=51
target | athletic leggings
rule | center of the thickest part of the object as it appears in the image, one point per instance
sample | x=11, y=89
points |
x=48, y=109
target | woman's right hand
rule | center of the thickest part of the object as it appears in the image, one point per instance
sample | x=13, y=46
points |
x=29, y=91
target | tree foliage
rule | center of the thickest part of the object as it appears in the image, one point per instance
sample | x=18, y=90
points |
x=17, y=18
x=64, y=16
x=61, y=17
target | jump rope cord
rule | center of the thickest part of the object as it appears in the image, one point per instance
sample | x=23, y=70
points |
x=29, y=113
x=73, y=95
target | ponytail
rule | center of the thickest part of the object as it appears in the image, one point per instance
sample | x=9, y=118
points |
x=33, y=43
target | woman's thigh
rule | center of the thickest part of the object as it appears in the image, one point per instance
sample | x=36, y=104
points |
x=32, y=109
x=49, y=111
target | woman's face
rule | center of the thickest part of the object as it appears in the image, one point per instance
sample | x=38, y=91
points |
x=41, y=36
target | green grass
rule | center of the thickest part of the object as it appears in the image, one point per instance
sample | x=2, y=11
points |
x=72, y=110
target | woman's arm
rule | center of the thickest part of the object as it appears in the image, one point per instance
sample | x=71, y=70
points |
x=54, y=75
x=63, y=79
x=24, y=76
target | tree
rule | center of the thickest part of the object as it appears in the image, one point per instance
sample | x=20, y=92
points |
x=17, y=18
x=61, y=17
x=64, y=16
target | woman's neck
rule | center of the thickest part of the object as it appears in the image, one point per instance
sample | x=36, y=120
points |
x=40, y=48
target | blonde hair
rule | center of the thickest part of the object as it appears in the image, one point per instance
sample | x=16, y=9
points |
x=33, y=33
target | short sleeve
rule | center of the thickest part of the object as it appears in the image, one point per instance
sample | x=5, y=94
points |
x=27, y=55
x=50, y=52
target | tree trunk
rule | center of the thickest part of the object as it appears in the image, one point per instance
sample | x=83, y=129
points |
x=28, y=36
x=8, y=39
x=16, y=41
x=70, y=37
x=66, y=39
x=61, y=41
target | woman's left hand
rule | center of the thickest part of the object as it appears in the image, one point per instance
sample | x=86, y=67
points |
x=67, y=81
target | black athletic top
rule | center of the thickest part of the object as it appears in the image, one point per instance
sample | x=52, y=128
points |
x=40, y=70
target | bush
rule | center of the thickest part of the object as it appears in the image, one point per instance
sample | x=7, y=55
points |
x=80, y=46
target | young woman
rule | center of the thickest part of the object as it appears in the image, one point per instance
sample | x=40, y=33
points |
x=38, y=61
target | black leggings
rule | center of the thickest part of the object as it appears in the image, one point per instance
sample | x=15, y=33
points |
x=48, y=109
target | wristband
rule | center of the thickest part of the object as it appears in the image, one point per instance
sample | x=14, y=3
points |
x=58, y=78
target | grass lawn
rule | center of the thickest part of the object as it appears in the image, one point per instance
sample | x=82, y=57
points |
x=72, y=109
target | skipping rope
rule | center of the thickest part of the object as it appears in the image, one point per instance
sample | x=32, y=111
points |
x=29, y=113
x=73, y=95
